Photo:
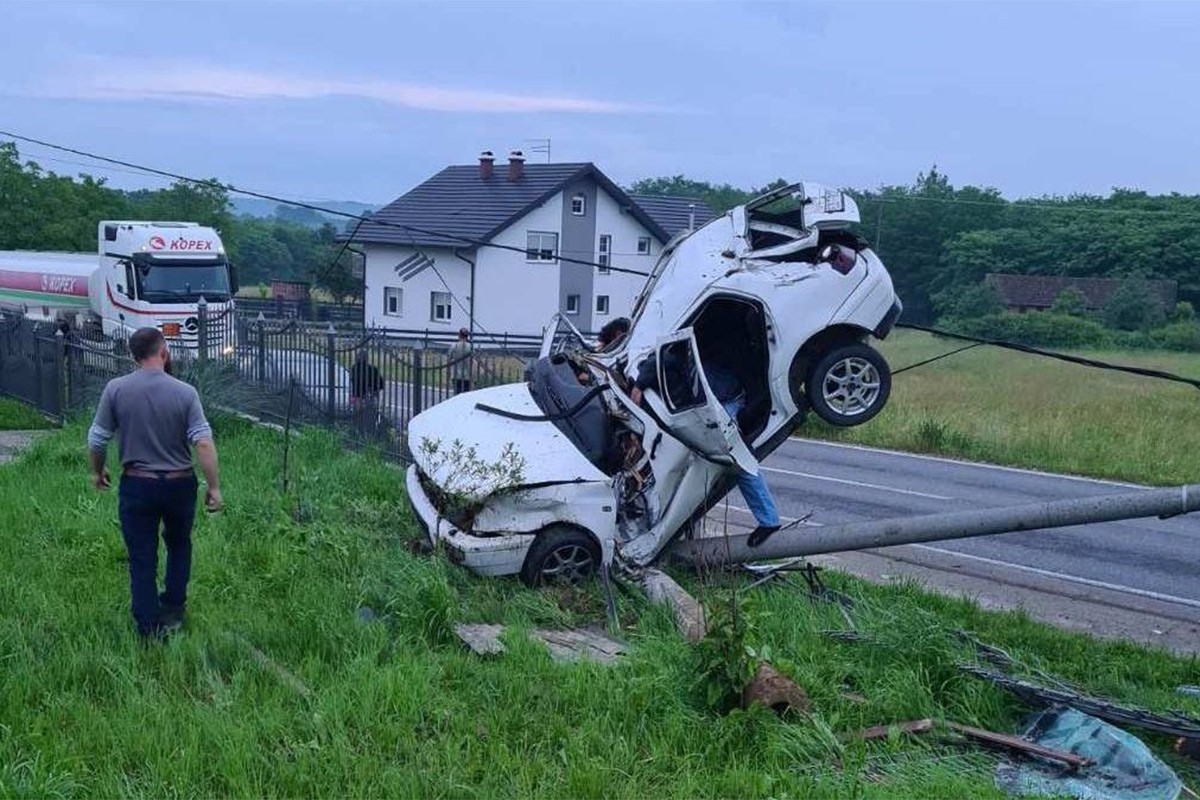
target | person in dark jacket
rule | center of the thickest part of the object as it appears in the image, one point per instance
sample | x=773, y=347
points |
x=730, y=393
x=366, y=384
x=612, y=333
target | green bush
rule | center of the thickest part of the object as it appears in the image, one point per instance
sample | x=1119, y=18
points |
x=1176, y=336
x=1070, y=301
x=1038, y=328
x=1134, y=307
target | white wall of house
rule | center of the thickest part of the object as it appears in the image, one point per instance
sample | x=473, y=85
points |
x=621, y=288
x=416, y=290
x=513, y=294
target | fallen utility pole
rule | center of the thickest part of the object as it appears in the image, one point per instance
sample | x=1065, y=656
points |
x=795, y=542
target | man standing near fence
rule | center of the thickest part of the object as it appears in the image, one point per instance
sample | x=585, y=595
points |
x=366, y=384
x=155, y=418
x=459, y=362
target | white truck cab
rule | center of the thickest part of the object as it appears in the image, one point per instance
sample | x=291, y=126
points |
x=145, y=274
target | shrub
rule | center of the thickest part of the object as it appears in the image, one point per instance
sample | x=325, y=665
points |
x=1133, y=307
x=1038, y=328
x=1071, y=302
x=1182, y=335
x=967, y=302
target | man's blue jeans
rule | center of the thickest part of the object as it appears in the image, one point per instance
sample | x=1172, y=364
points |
x=145, y=503
x=754, y=487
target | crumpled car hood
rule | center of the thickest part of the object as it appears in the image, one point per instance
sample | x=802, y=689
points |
x=475, y=453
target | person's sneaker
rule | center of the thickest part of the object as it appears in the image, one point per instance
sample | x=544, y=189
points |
x=761, y=534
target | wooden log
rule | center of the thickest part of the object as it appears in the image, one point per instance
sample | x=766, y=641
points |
x=884, y=731
x=1007, y=742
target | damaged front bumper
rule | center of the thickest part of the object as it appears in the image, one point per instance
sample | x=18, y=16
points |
x=484, y=555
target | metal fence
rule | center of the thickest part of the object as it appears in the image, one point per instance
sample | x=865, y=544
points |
x=347, y=314
x=366, y=385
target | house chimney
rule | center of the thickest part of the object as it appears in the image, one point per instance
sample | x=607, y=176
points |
x=516, y=165
x=486, y=160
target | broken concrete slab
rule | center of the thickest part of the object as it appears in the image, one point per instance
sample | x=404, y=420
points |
x=689, y=614
x=564, y=645
x=581, y=645
x=483, y=639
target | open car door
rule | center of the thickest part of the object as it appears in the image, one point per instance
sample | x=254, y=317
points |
x=690, y=410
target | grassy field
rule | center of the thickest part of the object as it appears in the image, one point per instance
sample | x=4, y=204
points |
x=15, y=416
x=396, y=707
x=1010, y=408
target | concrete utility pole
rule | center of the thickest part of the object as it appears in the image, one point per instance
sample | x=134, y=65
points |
x=803, y=541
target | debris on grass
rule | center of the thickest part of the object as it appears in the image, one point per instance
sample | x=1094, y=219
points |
x=689, y=614
x=1004, y=741
x=1120, y=766
x=564, y=645
x=774, y=690
x=884, y=731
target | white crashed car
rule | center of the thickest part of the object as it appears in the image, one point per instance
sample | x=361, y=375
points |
x=552, y=477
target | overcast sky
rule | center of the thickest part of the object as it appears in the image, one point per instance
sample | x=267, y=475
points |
x=360, y=101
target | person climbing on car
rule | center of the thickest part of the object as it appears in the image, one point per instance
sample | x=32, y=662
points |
x=730, y=393
x=612, y=333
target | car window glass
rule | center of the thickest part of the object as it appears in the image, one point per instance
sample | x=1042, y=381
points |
x=679, y=376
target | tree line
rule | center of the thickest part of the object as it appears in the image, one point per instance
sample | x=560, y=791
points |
x=42, y=210
x=940, y=240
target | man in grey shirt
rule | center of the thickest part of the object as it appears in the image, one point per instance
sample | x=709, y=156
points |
x=155, y=418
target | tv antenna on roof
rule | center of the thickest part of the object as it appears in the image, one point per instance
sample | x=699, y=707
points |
x=540, y=146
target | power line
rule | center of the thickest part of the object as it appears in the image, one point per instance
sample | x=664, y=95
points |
x=1003, y=204
x=301, y=204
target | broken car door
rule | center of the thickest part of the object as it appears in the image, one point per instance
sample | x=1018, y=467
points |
x=689, y=408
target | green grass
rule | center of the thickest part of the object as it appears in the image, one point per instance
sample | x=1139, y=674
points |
x=16, y=416
x=1010, y=408
x=399, y=708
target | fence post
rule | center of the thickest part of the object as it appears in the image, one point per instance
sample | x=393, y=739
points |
x=60, y=351
x=38, y=378
x=202, y=329
x=331, y=370
x=415, y=382
x=262, y=349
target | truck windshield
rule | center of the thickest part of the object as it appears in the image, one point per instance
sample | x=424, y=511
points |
x=183, y=282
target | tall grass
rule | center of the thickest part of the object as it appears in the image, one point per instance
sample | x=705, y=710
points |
x=16, y=416
x=1022, y=410
x=284, y=684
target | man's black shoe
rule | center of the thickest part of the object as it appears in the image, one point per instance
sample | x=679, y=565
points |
x=170, y=614
x=761, y=534
x=159, y=632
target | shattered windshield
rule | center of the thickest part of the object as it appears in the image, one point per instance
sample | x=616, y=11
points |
x=183, y=281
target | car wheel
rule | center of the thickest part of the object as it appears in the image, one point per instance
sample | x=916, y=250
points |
x=849, y=384
x=561, y=555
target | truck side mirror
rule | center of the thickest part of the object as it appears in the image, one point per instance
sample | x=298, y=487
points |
x=233, y=280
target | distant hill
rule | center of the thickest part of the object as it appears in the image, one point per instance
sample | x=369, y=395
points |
x=266, y=209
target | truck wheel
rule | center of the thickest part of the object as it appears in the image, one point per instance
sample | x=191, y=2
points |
x=849, y=384
x=560, y=555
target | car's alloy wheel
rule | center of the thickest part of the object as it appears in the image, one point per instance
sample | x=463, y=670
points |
x=849, y=384
x=561, y=555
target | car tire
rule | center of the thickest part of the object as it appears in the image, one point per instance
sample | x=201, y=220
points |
x=849, y=384
x=560, y=555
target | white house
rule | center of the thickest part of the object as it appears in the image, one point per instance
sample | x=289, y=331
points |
x=428, y=267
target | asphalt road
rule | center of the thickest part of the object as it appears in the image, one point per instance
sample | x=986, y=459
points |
x=1146, y=559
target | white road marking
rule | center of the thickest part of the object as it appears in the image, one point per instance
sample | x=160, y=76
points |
x=965, y=463
x=875, y=486
x=1116, y=587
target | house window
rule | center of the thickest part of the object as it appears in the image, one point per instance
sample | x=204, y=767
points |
x=541, y=247
x=643, y=245
x=601, y=304
x=579, y=205
x=604, y=253
x=439, y=306
x=572, y=304
x=393, y=301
